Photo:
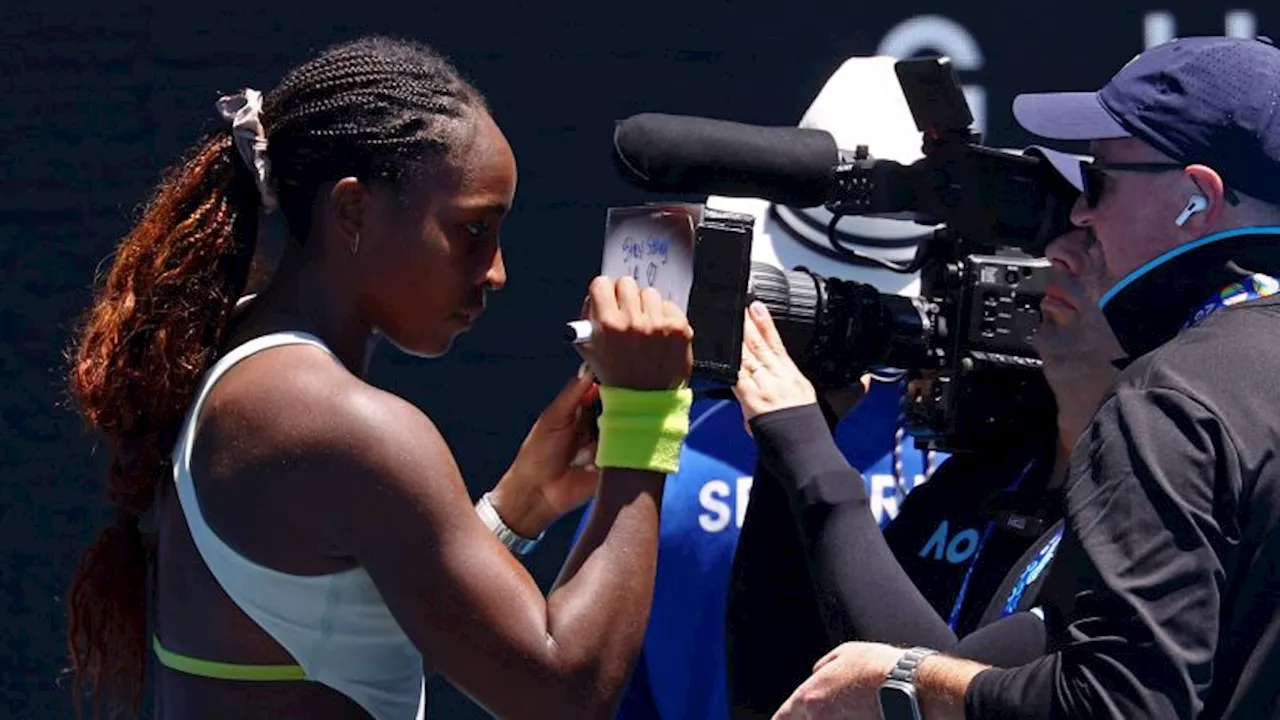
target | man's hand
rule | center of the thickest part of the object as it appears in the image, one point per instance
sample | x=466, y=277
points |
x=768, y=379
x=843, y=684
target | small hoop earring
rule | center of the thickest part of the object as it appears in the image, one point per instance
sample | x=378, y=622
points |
x=355, y=243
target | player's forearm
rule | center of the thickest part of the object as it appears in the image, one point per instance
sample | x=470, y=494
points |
x=599, y=608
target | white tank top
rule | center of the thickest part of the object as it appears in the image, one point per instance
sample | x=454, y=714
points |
x=336, y=626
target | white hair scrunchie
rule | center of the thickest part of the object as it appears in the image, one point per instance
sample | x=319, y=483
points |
x=243, y=111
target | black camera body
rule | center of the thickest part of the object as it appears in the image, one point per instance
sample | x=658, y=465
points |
x=988, y=387
x=974, y=379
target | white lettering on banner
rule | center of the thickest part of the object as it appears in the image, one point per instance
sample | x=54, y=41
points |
x=945, y=37
x=716, y=511
x=744, y=493
x=1160, y=26
x=957, y=550
x=712, y=498
x=885, y=496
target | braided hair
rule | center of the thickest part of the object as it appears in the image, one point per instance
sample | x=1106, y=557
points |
x=380, y=109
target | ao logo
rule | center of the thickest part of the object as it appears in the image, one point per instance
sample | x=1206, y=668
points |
x=956, y=549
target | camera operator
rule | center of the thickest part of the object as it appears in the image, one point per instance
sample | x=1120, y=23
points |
x=918, y=585
x=1162, y=600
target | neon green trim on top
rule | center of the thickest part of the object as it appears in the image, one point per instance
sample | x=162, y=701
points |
x=224, y=671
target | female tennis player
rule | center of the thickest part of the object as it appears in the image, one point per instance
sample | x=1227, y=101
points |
x=316, y=547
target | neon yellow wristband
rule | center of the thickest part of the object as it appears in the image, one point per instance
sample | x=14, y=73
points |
x=643, y=429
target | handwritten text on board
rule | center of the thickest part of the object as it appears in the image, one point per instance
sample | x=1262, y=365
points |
x=654, y=245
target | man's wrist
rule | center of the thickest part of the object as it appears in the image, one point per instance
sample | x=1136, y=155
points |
x=941, y=682
x=898, y=696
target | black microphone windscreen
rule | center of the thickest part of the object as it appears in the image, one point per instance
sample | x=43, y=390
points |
x=685, y=154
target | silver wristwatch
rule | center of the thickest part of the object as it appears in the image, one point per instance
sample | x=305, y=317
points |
x=515, y=542
x=897, y=696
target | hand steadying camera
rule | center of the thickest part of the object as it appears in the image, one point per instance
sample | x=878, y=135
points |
x=768, y=379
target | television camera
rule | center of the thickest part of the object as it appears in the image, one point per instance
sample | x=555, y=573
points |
x=964, y=340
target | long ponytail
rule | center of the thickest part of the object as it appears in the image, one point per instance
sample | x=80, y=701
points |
x=148, y=337
x=375, y=108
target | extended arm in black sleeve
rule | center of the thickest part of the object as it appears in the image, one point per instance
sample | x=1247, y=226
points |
x=862, y=591
x=1140, y=568
x=773, y=629
x=809, y=533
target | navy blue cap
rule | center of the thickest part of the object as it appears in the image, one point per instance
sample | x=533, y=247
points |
x=1211, y=101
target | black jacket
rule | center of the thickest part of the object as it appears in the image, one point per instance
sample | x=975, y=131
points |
x=1164, y=599
x=812, y=569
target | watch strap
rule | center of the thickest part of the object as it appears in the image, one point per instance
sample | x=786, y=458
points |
x=909, y=663
x=515, y=542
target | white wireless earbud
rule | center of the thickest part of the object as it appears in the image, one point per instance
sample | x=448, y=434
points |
x=1195, y=204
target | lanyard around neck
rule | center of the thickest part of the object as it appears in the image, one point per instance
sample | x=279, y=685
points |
x=1251, y=288
x=954, y=620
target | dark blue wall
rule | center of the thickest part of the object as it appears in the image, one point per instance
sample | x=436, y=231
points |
x=94, y=101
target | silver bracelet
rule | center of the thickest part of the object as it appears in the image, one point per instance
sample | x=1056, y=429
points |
x=515, y=542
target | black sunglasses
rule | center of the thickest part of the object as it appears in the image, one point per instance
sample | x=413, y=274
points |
x=1093, y=177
